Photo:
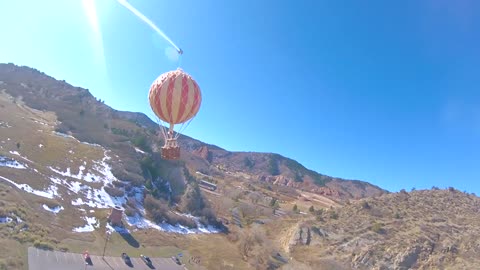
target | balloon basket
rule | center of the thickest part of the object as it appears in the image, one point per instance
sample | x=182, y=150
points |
x=171, y=152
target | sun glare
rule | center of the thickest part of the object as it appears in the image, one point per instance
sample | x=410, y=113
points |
x=97, y=42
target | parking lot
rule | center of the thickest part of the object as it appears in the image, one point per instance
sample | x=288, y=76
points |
x=55, y=260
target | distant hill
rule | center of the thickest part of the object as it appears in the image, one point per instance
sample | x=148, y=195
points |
x=89, y=119
x=425, y=229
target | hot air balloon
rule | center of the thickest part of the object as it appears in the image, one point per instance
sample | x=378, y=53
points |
x=175, y=99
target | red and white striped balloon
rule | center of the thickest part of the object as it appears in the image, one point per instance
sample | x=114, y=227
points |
x=175, y=97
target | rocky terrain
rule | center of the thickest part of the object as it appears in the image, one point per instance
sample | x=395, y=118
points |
x=426, y=229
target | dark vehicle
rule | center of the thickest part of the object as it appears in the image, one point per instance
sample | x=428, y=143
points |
x=146, y=260
x=126, y=259
x=176, y=260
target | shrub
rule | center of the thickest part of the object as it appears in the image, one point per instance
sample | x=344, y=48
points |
x=333, y=215
x=365, y=205
x=319, y=212
x=273, y=165
x=131, y=202
x=311, y=209
x=156, y=209
x=248, y=163
x=136, y=181
x=130, y=211
x=119, y=184
x=298, y=177
x=114, y=192
x=141, y=142
x=377, y=227
x=42, y=245
x=182, y=220
x=193, y=200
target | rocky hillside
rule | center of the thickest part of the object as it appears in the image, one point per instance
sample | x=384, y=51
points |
x=66, y=158
x=427, y=229
x=90, y=120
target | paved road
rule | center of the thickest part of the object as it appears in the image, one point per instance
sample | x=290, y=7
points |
x=55, y=260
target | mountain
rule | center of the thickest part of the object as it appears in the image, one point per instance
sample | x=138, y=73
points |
x=90, y=120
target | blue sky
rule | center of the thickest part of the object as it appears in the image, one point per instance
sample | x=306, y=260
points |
x=382, y=91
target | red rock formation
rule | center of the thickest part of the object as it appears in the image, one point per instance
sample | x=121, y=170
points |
x=204, y=153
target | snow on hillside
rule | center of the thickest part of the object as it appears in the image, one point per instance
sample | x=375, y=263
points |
x=49, y=193
x=92, y=223
x=81, y=193
x=54, y=210
x=18, y=154
x=140, y=222
x=10, y=162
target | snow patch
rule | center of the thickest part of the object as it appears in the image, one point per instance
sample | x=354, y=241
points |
x=18, y=154
x=5, y=220
x=101, y=172
x=4, y=125
x=54, y=210
x=141, y=222
x=49, y=193
x=41, y=123
x=73, y=186
x=139, y=151
x=11, y=163
x=65, y=135
x=97, y=198
x=92, y=223
x=91, y=144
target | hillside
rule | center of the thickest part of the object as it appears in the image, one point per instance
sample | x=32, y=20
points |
x=427, y=229
x=90, y=120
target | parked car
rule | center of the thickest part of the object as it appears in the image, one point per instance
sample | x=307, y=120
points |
x=146, y=259
x=126, y=259
x=176, y=260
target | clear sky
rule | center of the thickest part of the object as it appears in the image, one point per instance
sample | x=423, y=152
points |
x=382, y=91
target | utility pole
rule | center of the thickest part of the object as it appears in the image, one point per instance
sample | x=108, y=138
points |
x=106, y=241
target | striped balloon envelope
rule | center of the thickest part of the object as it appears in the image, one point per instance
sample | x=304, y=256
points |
x=175, y=98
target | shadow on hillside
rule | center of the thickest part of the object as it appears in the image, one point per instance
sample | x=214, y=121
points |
x=130, y=240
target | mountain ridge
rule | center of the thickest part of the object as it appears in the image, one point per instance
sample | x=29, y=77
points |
x=53, y=95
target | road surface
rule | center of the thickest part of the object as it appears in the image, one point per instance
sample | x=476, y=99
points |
x=55, y=260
